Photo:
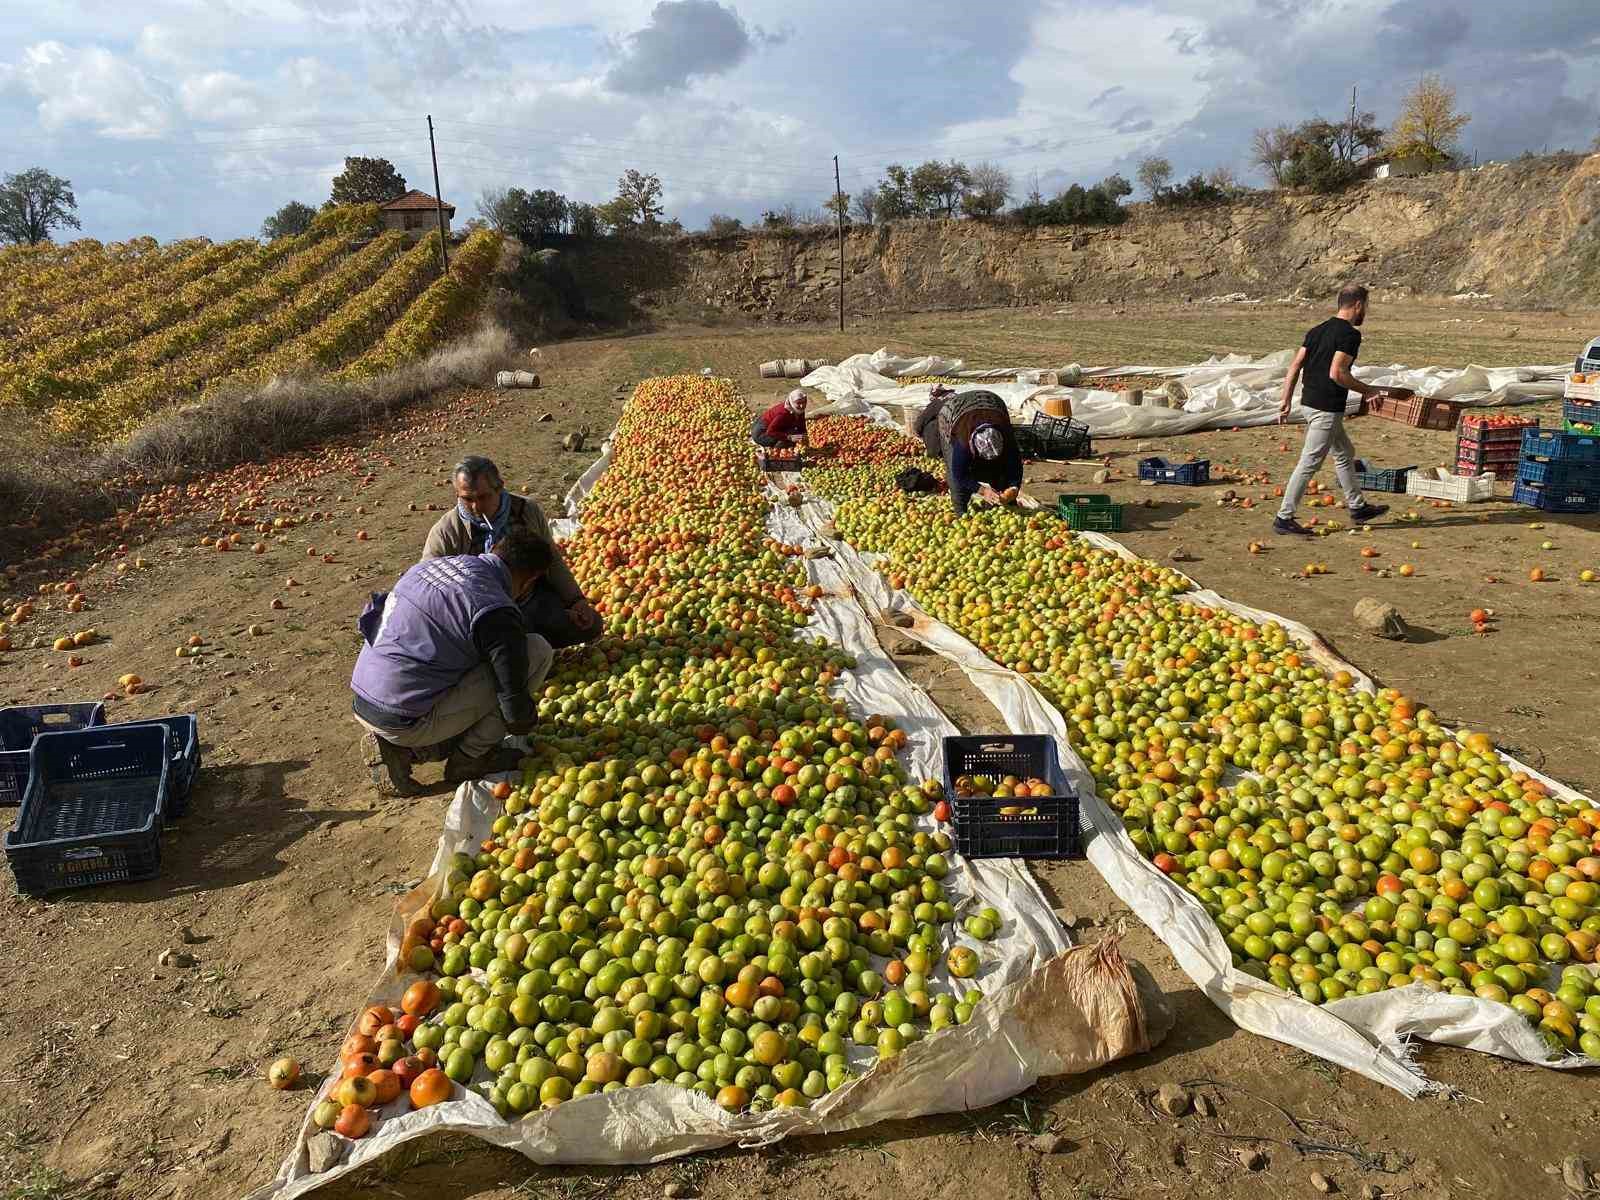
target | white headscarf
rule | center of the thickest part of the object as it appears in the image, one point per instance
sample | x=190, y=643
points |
x=795, y=401
x=986, y=442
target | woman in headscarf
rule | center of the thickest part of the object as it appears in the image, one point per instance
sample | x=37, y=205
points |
x=783, y=425
x=981, y=456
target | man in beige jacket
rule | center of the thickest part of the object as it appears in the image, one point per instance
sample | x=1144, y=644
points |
x=556, y=609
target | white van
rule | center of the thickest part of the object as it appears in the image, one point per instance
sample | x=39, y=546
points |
x=1589, y=359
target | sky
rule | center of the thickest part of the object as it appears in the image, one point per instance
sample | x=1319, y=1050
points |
x=182, y=118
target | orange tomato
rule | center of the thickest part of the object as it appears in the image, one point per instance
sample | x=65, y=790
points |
x=354, y=1121
x=431, y=1087
x=387, y=1084
x=421, y=998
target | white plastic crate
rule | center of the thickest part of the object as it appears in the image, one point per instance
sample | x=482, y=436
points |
x=1436, y=483
x=1582, y=391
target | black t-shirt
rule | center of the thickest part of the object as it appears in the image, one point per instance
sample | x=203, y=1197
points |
x=1318, y=390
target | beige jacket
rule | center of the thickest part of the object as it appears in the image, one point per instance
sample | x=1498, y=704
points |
x=452, y=535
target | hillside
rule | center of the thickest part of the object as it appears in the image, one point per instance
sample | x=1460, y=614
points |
x=95, y=339
x=1519, y=231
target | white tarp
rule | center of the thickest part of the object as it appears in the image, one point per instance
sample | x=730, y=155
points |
x=1366, y=1034
x=1220, y=393
x=1048, y=1009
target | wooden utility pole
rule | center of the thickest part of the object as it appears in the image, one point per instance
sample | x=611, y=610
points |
x=438, y=199
x=838, y=207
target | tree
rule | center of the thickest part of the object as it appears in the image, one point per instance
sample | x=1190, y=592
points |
x=1226, y=182
x=367, y=181
x=1428, y=124
x=837, y=206
x=937, y=188
x=34, y=202
x=618, y=215
x=864, y=206
x=1114, y=186
x=641, y=194
x=894, y=194
x=722, y=225
x=1192, y=193
x=1272, y=150
x=1318, y=154
x=533, y=218
x=291, y=220
x=991, y=188
x=546, y=213
x=494, y=207
x=1153, y=175
x=583, y=220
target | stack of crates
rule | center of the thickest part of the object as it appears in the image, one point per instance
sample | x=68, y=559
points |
x=1559, y=472
x=1490, y=443
x=1580, y=410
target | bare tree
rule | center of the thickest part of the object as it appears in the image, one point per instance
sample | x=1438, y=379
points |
x=990, y=189
x=1273, y=150
x=864, y=206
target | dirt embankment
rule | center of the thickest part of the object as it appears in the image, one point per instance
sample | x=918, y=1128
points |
x=1520, y=231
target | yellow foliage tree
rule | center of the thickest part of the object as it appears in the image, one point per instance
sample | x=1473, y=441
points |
x=1428, y=124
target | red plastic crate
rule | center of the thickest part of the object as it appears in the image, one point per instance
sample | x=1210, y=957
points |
x=1475, y=428
x=1420, y=412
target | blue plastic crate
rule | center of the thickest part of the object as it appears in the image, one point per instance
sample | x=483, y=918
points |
x=183, y=748
x=1189, y=474
x=93, y=809
x=1385, y=479
x=18, y=728
x=1582, y=412
x=1049, y=825
x=1556, y=500
x=1567, y=447
x=1560, y=473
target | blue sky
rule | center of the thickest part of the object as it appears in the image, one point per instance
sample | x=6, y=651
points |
x=179, y=118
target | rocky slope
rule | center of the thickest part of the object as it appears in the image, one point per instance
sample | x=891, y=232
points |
x=1519, y=231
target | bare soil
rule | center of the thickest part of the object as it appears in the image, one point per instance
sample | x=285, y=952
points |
x=149, y=1079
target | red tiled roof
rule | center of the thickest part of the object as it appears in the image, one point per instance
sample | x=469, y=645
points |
x=415, y=201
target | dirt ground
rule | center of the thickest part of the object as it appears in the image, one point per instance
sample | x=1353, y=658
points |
x=123, y=1077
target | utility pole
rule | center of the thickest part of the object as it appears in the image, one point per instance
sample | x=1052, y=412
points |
x=838, y=212
x=438, y=199
x=1352, y=122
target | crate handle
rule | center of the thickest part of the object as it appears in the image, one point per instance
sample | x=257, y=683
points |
x=997, y=747
x=107, y=746
x=56, y=718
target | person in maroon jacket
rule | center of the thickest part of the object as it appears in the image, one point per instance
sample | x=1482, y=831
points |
x=782, y=425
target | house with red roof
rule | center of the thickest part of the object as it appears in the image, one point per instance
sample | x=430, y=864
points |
x=416, y=213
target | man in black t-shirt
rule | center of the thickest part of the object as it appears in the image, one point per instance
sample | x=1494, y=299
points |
x=1323, y=361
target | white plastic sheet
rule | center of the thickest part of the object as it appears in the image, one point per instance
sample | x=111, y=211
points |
x=1365, y=1034
x=1221, y=392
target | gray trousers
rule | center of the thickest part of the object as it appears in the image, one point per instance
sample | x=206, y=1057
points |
x=1324, y=432
x=471, y=709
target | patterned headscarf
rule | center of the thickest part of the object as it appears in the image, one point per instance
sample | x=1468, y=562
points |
x=986, y=442
x=795, y=402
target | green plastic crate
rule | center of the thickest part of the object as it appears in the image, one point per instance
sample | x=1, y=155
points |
x=1089, y=511
x=1581, y=427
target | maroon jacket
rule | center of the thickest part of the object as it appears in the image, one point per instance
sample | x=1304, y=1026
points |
x=778, y=421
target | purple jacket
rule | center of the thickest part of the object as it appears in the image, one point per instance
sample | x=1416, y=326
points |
x=421, y=643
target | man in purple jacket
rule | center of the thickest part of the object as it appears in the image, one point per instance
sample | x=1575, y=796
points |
x=449, y=668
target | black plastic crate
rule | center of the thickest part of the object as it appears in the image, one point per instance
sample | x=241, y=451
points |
x=1189, y=474
x=18, y=728
x=1556, y=500
x=1029, y=443
x=183, y=757
x=1385, y=479
x=1049, y=828
x=1059, y=438
x=93, y=809
x=773, y=462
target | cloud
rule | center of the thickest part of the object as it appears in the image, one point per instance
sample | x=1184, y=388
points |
x=685, y=39
x=1117, y=90
x=91, y=86
x=220, y=96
